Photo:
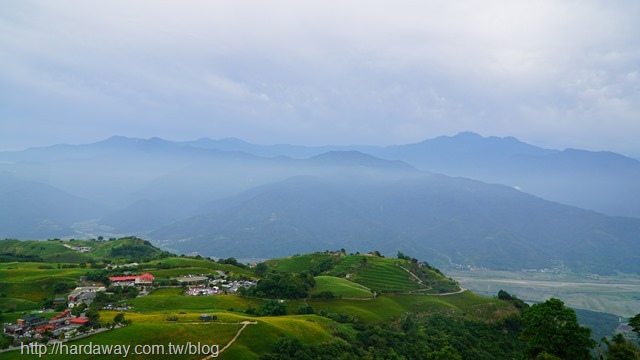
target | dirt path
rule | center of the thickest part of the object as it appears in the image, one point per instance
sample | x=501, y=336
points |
x=414, y=275
x=244, y=325
x=450, y=293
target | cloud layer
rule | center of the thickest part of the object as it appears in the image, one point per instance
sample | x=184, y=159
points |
x=555, y=73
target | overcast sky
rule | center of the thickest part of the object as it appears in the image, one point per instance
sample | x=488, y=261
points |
x=552, y=73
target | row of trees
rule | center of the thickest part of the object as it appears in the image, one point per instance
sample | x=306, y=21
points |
x=282, y=286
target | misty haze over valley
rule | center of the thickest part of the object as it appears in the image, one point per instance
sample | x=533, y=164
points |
x=464, y=200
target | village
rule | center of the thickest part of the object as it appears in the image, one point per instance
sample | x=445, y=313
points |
x=205, y=286
x=79, y=318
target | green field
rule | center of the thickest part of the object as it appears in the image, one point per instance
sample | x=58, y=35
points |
x=340, y=287
x=299, y=263
x=150, y=324
x=23, y=284
x=376, y=273
x=178, y=266
x=172, y=299
x=370, y=290
x=391, y=306
x=154, y=329
x=56, y=251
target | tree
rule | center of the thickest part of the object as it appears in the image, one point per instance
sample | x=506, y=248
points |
x=635, y=324
x=272, y=308
x=93, y=315
x=552, y=330
x=446, y=353
x=119, y=318
x=621, y=349
x=304, y=309
x=261, y=269
x=60, y=287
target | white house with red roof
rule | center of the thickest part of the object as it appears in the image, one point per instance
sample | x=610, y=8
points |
x=144, y=279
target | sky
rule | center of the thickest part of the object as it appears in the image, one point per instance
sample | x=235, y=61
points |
x=556, y=74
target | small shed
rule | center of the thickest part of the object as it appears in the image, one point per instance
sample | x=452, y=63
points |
x=208, y=317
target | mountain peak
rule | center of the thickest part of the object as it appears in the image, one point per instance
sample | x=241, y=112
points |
x=468, y=135
x=357, y=158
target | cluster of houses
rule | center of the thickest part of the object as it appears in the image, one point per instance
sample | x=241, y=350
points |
x=83, y=295
x=219, y=286
x=82, y=249
x=34, y=326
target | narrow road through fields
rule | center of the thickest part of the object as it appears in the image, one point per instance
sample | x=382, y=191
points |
x=244, y=325
x=429, y=287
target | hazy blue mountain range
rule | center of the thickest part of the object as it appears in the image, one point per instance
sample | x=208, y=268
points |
x=442, y=219
x=228, y=197
x=32, y=210
x=602, y=181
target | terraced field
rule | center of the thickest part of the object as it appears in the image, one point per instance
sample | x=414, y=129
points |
x=340, y=287
x=299, y=263
x=375, y=273
x=390, y=306
x=378, y=274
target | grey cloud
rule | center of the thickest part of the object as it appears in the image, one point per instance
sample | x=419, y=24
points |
x=555, y=73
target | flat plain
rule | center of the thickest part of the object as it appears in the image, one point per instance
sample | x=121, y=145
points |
x=618, y=294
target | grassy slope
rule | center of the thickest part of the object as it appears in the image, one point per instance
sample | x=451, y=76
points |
x=23, y=284
x=376, y=273
x=177, y=266
x=57, y=252
x=172, y=300
x=153, y=328
x=150, y=312
x=340, y=287
x=299, y=263
x=385, y=307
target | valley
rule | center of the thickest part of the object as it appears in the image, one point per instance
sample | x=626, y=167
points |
x=615, y=294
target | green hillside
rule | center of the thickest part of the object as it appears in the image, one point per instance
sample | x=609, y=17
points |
x=376, y=273
x=340, y=287
x=79, y=251
x=333, y=306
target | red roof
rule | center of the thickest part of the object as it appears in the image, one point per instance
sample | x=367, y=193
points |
x=143, y=277
x=79, y=321
x=146, y=277
x=123, y=278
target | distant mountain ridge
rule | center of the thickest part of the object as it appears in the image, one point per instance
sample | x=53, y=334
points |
x=448, y=221
x=209, y=194
x=602, y=181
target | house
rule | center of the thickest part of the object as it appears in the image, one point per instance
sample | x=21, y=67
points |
x=84, y=289
x=31, y=320
x=79, y=321
x=44, y=328
x=208, y=317
x=144, y=279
